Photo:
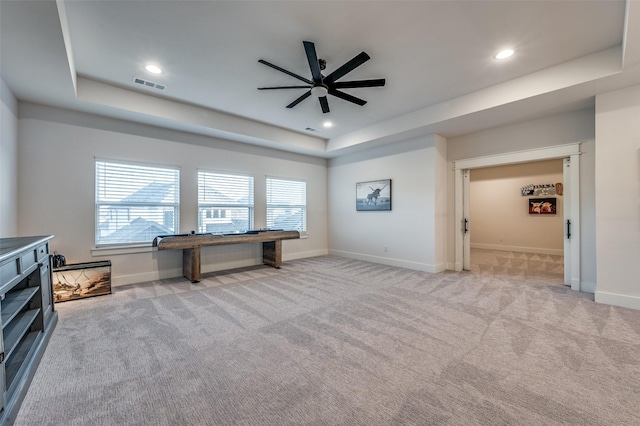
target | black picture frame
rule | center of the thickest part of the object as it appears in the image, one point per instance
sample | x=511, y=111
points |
x=374, y=195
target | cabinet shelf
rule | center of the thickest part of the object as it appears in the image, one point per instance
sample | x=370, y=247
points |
x=16, y=363
x=17, y=328
x=14, y=302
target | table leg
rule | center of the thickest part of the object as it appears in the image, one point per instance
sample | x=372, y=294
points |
x=272, y=253
x=191, y=263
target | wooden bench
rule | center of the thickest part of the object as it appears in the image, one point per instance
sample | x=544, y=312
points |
x=190, y=245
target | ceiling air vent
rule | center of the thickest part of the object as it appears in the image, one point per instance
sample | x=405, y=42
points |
x=148, y=83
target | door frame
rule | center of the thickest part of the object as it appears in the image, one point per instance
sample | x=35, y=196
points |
x=571, y=171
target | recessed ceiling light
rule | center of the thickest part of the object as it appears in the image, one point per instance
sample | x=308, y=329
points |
x=153, y=69
x=327, y=124
x=504, y=54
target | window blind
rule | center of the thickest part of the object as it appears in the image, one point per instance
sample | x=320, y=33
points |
x=286, y=204
x=135, y=203
x=225, y=202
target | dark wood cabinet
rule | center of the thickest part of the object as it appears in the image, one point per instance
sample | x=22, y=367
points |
x=27, y=315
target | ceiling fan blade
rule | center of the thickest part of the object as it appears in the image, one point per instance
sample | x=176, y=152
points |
x=300, y=99
x=262, y=61
x=283, y=87
x=346, y=68
x=346, y=97
x=359, y=83
x=324, y=103
x=312, y=57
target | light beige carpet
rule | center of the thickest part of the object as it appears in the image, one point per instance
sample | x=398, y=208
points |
x=334, y=341
x=498, y=263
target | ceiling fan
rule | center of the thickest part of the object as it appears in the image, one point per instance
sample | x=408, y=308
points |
x=321, y=85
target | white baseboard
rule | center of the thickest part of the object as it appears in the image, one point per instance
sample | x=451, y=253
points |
x=440, y=267
x=534, y=250
x=121, y=280
x=304, y=254
x=625, y=301
x=389, y=261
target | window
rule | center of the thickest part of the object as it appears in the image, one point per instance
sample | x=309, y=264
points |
x=135, y=203
x=225, y=203
x=286, y=204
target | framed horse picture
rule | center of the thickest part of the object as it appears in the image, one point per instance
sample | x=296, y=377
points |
x=374, y=195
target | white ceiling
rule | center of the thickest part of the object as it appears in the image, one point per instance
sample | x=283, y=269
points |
x=436, y=56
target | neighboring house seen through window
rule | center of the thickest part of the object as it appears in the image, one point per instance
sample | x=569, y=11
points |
x=225, y=203
x=135, y=202
x=286, y=204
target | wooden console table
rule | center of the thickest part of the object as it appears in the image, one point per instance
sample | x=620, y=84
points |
x=190, y=245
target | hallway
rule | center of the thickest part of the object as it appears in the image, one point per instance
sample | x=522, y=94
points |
x=539, y=267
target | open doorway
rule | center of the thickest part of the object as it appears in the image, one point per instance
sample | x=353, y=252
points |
x=515, y=218
x=570, y=154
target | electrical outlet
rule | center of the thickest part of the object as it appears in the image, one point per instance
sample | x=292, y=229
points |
x=386, y=249
x=501, y=238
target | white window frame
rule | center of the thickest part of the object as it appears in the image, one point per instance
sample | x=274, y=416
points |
x=107, y=194
x=272, y=204
x=224, y=214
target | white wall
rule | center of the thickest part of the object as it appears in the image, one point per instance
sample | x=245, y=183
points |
x=413, y=231
x=618, y=197
x=8, y=162
x=559, y=129
x=499, y=216
x=56, y=156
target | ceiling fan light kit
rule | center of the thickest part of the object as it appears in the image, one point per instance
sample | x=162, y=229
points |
x=320, y=86
x=319, y=91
